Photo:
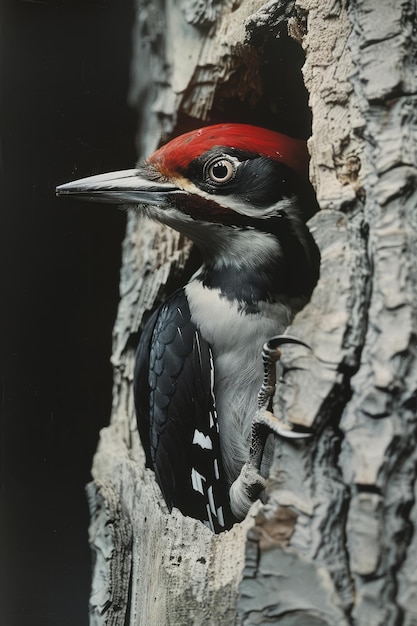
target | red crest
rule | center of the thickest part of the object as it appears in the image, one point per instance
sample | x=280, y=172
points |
x=178, y=153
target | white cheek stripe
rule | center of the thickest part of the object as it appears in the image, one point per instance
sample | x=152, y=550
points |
x=240, y=206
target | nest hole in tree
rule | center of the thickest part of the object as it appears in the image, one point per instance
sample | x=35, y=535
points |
x=265, y=87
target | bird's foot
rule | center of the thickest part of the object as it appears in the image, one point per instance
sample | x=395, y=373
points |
x=245, y=490
x=264, y=424
x=271, y=353
x=248, y=486
x=266, y=420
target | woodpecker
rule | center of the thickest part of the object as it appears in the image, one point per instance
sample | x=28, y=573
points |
x=241, y=194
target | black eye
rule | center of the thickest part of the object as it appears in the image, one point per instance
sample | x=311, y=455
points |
x=221, y=171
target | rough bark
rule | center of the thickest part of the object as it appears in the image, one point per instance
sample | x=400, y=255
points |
x=334, y=544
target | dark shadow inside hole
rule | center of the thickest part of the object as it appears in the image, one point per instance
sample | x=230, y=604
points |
x=266, y=88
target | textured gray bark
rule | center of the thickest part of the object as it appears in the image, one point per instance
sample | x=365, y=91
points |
x=335, y=542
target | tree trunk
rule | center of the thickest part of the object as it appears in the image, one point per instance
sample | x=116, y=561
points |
x=334, y=543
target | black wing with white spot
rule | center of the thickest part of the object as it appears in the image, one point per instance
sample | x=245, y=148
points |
x=176, y=410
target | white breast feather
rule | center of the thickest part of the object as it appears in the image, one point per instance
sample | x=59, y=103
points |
x=236, y=340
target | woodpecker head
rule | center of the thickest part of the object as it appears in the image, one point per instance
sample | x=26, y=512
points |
x=239, y=191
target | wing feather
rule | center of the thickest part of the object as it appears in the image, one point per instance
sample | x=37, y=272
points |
x=177, y=420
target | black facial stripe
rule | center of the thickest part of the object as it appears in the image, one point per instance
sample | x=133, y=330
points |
x=196, y=171
x=295, y=272
x=263, y=182
x=259, y=181
x=205, y=210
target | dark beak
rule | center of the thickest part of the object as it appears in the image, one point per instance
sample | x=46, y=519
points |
x=124, y=187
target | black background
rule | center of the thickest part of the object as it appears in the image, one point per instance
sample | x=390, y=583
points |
x=64, y=115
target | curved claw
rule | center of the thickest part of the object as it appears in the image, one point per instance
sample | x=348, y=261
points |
x=264, y=423
x=270, y=355
x=280, y=340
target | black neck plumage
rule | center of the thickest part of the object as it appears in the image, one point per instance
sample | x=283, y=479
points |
x=293, y=271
